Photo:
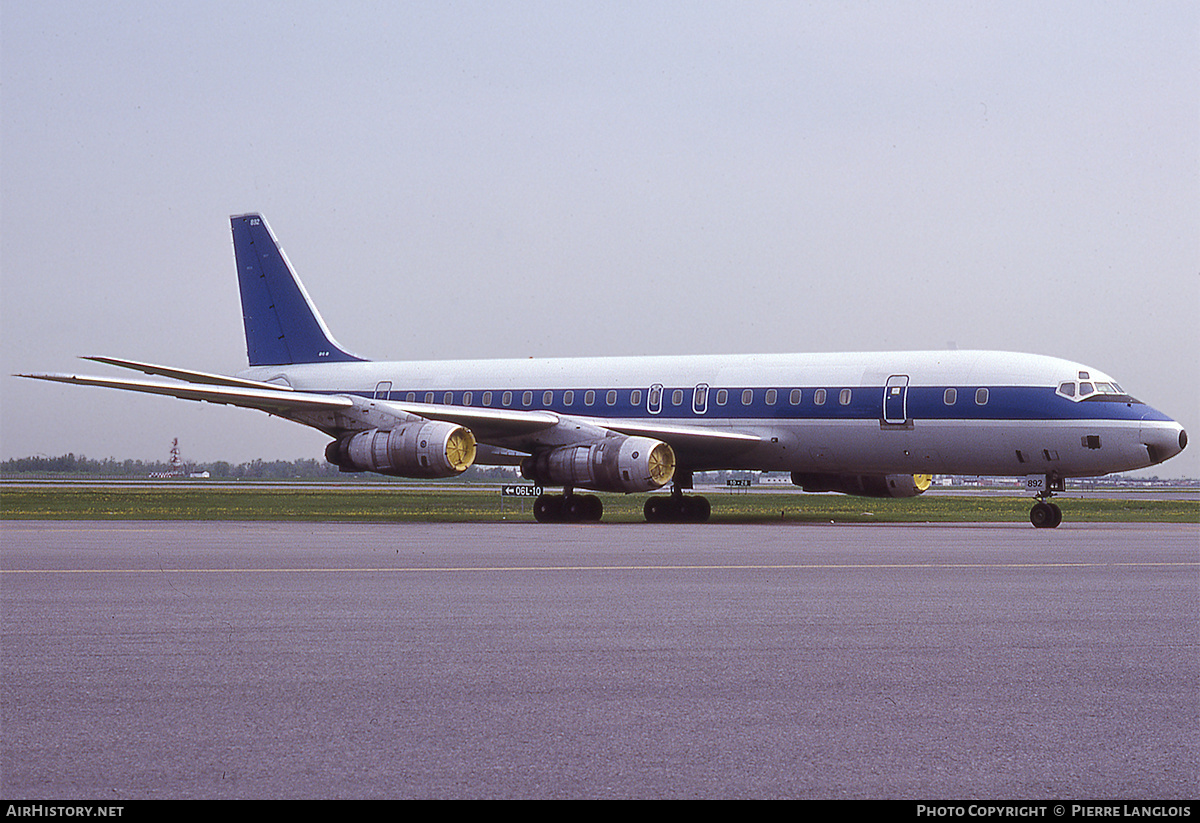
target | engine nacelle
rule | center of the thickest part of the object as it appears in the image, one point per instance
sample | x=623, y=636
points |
x=614, y=464
x=421, y=449
x=865, y=485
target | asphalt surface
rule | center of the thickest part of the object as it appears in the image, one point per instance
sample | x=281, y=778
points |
x=263, y=660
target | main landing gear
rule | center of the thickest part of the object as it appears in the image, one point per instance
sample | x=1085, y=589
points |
x=678, y=508
x=1046, y=515
x=567, y=508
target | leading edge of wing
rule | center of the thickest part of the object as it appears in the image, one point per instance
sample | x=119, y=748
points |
x=486, y=424
x=683, y=434
x=489, y=424
x=267, y=399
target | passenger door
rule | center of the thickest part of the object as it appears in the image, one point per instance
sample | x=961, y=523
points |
x=895, y=400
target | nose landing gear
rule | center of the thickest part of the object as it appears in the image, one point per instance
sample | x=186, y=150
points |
x=1046, y=515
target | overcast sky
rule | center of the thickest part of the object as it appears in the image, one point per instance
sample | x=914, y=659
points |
x=459, y=180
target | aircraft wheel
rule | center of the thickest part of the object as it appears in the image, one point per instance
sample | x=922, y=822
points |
x=593, y=508
x=655, y=509
x=1045, y=515
x=548, y=508
x=690, y=509
x=583, y=508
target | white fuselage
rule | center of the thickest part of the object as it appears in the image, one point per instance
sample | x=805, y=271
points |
x=961, y=412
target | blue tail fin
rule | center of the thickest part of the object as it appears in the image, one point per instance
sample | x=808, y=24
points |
x=282, y=324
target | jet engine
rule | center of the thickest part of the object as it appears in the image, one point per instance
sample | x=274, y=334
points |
x=420, y=449
x=615, y=464
x=865, y=485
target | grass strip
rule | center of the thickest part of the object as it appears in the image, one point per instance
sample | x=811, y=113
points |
x=396, y=504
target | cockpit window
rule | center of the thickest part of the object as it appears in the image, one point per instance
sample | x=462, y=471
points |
x=1084, y=389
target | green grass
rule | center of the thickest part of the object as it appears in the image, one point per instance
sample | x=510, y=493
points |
x=395, y=503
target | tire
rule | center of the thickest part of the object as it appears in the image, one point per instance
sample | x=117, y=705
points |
x=548, y=508
x=1042, y=516
x=655, y=510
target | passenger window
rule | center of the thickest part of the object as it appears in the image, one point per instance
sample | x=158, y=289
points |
x=611, y=398
x=677, y=397
x=506, y=399
x=844, y=397
x=772, y=396
x=487, y=398
x=467, y=398
x=747, y=397
x=411, y=396
x=589, y=397
x=428, y=397
x=722, y=397
x=568, y=397
x=635, y=398
x=527, y=398
x=547, y=398
x=448, y=398
x=819, y=397
x=981, y=397
x=795, y=398
x=950, y=397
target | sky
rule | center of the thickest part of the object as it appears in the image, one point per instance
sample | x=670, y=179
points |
x=543, y=179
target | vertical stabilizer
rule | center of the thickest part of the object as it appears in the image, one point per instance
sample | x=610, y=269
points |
x=282, y=324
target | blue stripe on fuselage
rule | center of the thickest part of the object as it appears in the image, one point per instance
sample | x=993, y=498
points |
x=866, y=403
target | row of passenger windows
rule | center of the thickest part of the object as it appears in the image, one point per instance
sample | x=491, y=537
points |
x=699, y=399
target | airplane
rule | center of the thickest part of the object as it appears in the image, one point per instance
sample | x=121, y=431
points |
x=869, y=424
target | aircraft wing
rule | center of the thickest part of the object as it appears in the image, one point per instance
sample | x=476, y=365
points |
x=187, y=375
x=338, y=414
x=333, y=414
x=692, y=436
x=271, y=399
x=486, y=424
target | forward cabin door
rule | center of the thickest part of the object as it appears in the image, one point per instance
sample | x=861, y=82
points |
x=895, y=400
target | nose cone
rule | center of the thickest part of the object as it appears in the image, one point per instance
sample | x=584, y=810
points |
x=1163, y=439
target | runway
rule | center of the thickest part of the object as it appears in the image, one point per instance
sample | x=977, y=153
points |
x=263, y=660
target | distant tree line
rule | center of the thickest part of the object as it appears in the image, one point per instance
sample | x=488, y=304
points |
x=305, y=468
x=111, y=467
